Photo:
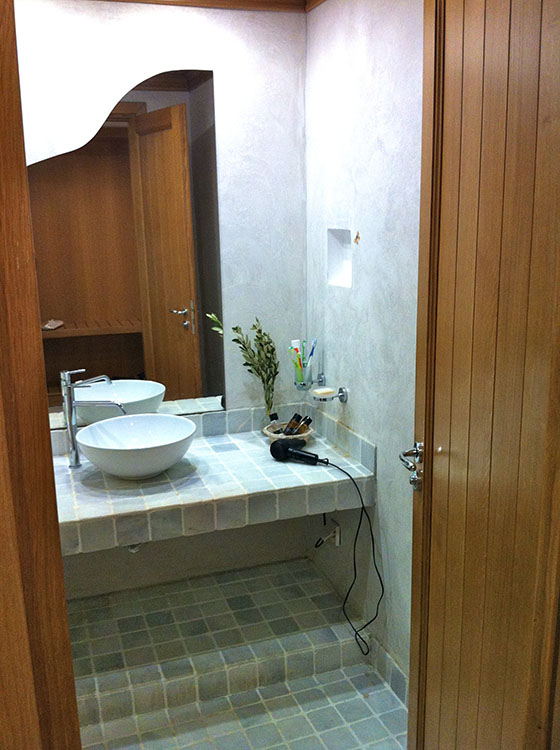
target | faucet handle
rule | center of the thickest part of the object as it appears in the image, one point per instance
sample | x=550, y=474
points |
x=66, y=375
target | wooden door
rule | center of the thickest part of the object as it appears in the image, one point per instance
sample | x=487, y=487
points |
x=37, y=699
x=164, y=234
x=486, y=527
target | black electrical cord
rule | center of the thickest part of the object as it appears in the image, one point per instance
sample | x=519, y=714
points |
x=363, y=645
x=282, y=451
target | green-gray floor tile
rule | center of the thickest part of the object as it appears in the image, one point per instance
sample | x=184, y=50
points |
x=354, y=710
x=369, y=730
x=388, y=744
x=295, y=727
x=382, y=701
x=264, y=736
x=235, y=741
x=307, y=743
x=325, y=718
x=336, y=739
x=173, y=644
x=395, y=721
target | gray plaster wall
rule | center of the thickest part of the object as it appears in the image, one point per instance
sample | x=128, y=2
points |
x=363, y=129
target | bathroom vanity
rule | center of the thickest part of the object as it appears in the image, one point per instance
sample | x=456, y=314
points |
x=225, y=481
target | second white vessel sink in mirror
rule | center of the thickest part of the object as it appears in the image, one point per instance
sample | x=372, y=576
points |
x=136, y=396
x=139, y=446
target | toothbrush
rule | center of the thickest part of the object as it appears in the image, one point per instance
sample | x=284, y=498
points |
x=299, y=371
x=296, y=364
x=313, y=345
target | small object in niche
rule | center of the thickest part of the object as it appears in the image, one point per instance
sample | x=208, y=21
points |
x=52, y=325
x=357, y=238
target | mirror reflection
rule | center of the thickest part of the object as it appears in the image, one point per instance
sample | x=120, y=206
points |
x=127, y=247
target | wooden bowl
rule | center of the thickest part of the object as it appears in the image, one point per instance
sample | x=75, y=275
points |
x=272, y=436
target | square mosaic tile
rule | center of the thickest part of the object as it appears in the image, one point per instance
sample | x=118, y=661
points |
x=257, y=658
x=218, y=634
x=225, y=481
x=333, y=711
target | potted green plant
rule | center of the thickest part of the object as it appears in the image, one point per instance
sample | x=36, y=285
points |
x=260, y=360
x=260, y=355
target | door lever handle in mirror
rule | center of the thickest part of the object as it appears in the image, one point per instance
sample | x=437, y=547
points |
x=180, y=312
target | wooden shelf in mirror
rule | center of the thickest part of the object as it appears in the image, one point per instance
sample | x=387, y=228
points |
x=94, y=328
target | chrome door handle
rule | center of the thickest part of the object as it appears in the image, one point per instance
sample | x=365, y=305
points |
x=411, y=459
x=184, y=313
x=417, y=453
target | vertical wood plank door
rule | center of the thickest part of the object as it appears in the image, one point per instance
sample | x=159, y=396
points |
x=492, y=233
x=164, y=234
x=37, y=697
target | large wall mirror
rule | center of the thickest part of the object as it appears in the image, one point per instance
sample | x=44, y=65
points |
x=127, y=246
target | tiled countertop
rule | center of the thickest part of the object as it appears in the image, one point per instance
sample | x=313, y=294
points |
x=223, y=482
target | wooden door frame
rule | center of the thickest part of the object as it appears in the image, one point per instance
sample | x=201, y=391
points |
x=36, y=676
x=541, y=712
x=428, y=258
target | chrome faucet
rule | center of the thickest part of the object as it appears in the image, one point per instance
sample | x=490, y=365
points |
x=69, y=404
x=98, y=379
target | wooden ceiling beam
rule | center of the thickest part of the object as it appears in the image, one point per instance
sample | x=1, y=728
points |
x=310, y=4
x=175, y=80
x=290, y=6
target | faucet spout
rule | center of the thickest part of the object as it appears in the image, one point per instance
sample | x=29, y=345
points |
x=117, y=404
x=89, y=381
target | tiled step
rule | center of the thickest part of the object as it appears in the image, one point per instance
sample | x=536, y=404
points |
x=168, y=646
x=345, y=709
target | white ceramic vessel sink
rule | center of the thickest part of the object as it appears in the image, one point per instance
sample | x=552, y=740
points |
x=139, y=446
x=137, y=397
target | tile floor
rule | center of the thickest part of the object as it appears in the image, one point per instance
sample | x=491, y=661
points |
x=345, y=709
x=259, y=658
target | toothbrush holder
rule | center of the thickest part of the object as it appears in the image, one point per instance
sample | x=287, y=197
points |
x=303, y=377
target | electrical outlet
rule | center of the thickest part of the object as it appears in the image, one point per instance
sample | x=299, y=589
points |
x=334, y=536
